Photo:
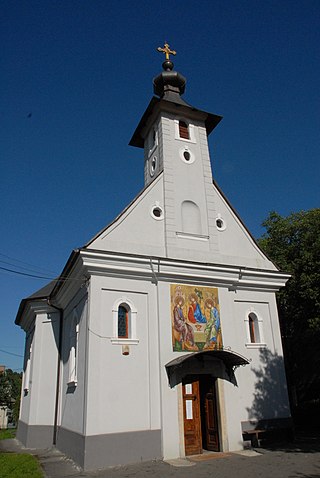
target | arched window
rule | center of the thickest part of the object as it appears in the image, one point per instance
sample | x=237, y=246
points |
x=73, y=350
x=27, y=366
x=183, y=130
x=123, y=322
x=254, y=332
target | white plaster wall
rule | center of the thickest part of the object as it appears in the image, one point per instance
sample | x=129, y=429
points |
x=71, y=410
x=186, y=181
x=171, y=433
x=236, y=247
x=253, y=379
x=237, y=400
x=25, y=397
x=122, y=391
x=43, y=370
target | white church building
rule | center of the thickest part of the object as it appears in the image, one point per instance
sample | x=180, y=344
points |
x=160, y=339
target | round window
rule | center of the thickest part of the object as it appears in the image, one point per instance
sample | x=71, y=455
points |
x=220, y=223
x=156, y=212
x=186, y=155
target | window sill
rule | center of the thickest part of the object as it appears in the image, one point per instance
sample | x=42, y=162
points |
x=118, y=341
x=192, y=141
x=258, y=345
x=189, y=235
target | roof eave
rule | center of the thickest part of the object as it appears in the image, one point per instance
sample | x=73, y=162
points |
x=211, y=120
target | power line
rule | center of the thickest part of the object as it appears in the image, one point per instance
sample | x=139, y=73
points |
x=30, y=269
x=26, y=274
x=57, y=279
x=34, y=267
x=11, y=353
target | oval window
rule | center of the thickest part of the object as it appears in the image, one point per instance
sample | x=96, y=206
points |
x=186, y=155
x=220, y=223
x=153, y=165
x=156, y=212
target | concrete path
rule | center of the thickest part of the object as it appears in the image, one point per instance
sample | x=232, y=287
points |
x=298, y=460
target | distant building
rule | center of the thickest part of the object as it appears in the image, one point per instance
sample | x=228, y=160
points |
x=5, y=413
x=156, y=319
x=4, y=410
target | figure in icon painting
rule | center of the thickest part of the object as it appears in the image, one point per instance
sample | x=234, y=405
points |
x=195, y=313
x=212, y=329
x=183, y=332
x=195, y=318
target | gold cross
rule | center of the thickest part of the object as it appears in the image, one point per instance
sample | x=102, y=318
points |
x=167, y=51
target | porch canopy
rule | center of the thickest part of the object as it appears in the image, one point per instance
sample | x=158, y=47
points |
x=217, y=363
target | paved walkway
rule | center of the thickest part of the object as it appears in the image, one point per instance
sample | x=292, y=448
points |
x=298, y=460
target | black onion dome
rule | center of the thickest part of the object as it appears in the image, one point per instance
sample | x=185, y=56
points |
x=169, y=80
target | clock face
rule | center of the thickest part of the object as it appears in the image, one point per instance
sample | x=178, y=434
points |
x=153, y=161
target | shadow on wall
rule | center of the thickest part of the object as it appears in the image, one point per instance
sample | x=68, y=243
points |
x=271, y=395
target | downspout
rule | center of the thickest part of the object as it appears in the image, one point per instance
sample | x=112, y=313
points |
x=56, y=411
x=156, y=283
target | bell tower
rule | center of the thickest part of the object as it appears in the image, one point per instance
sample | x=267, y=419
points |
x=174, y=136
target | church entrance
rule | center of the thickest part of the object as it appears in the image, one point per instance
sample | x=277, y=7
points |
x=200, y=415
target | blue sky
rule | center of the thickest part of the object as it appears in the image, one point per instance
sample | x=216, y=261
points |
x=76, y=78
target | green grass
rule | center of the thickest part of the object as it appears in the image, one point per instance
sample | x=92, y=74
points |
x=10, y=433
x=13, y=465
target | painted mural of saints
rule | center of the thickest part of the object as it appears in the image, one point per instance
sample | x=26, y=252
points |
x=195, y=318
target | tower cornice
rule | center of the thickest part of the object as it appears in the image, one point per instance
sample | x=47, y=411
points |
x=177, y=106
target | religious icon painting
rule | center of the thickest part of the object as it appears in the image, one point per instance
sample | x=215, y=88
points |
x=195, y=318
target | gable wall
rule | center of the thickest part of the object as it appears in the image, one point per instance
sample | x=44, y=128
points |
x=136, y=230
x=236, y=246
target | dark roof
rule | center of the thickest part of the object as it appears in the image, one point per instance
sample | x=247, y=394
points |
x=218, y=363
x=44, y=292
x=211, y=120
x=41, y=294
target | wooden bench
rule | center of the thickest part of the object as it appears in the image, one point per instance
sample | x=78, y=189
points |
x=253, y=435
x=257, y=430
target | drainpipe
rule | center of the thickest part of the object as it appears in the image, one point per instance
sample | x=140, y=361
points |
x=55, y=424
x=156, y=283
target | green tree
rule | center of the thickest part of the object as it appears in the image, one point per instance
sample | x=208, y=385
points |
x=10, y=388
x=293, y=243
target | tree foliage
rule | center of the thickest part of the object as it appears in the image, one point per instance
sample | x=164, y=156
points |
x=293, y=243
x=10, y=387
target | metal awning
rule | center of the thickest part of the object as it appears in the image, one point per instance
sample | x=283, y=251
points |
x=217, y=363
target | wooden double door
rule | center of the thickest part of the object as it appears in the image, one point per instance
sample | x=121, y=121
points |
x=200, y=416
